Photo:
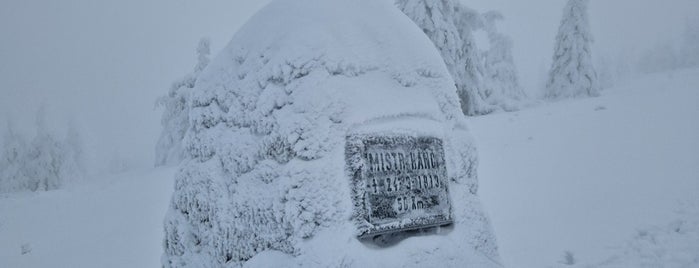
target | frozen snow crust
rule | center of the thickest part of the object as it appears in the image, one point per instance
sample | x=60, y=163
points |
x=264, y=183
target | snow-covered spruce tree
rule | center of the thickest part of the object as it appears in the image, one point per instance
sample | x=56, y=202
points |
x=12, y=160
x=175, y=118
x=45, y=163
x=73, y=151
x=450, y=25
x=45, y=159
x=500, y=74
x=572, y=73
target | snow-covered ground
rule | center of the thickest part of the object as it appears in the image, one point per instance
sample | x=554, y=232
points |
x=116, y=221
x=584, y=175
x=613, y=179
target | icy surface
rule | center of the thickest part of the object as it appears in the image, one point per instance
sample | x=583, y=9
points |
x=269, y=118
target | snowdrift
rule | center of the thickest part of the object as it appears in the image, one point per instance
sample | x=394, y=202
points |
x=265, y=181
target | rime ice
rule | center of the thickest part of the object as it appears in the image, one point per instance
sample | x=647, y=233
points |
x=398, y=183
x=265, y=175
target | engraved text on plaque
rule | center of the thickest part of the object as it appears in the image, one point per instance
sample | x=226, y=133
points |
x=398, y=183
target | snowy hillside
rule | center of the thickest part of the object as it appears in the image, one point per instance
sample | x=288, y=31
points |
x=584, y=175
x=113, y=221
x=603, y=178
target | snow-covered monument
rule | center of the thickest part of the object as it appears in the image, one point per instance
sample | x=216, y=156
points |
x=327, y=133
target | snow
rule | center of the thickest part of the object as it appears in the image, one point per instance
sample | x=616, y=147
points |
x=450, y=25
x=583, y=175
x=175, y=117
x=482, y=66
x=269, y=120
x=572, y=73
x=113, y=221
x=611, y=179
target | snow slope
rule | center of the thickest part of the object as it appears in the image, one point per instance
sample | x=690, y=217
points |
x=115, y=221
x=582, y=175
x=603, y=178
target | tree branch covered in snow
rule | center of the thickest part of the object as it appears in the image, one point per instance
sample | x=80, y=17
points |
x=486, y=81
x=500, y=74
x=175, y=118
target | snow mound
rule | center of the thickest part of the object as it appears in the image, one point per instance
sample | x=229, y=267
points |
x=265, y=175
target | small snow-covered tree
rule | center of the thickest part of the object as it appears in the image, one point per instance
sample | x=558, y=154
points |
x=572, y=73
x=45, y=158
x=175, y=118
x=203, y=54
x=45, y=163
x=73, y=151
x=500, y=74
x=470, y=80
x=14, y=149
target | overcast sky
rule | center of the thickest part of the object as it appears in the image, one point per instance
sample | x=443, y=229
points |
x=102, y=64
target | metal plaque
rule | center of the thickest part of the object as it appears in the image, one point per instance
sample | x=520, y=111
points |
x=399, y=183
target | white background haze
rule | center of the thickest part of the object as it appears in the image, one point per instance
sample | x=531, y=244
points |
x=102, y=64
x=576, y=175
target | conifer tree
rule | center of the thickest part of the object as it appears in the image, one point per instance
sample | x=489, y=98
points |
x=45, y=163
x=572, y=73
x=486, y=81
x=500, y=74
x=450, y=25
x=175, y=119
x=12, y=155
x=45, y=158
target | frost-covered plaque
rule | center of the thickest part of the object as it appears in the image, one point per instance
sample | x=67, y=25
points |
x=398, y=183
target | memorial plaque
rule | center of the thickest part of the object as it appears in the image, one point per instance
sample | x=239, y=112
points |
x=399, y=183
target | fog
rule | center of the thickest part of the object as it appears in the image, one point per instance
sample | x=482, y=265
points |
x=623, y=29
x=102, y=64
